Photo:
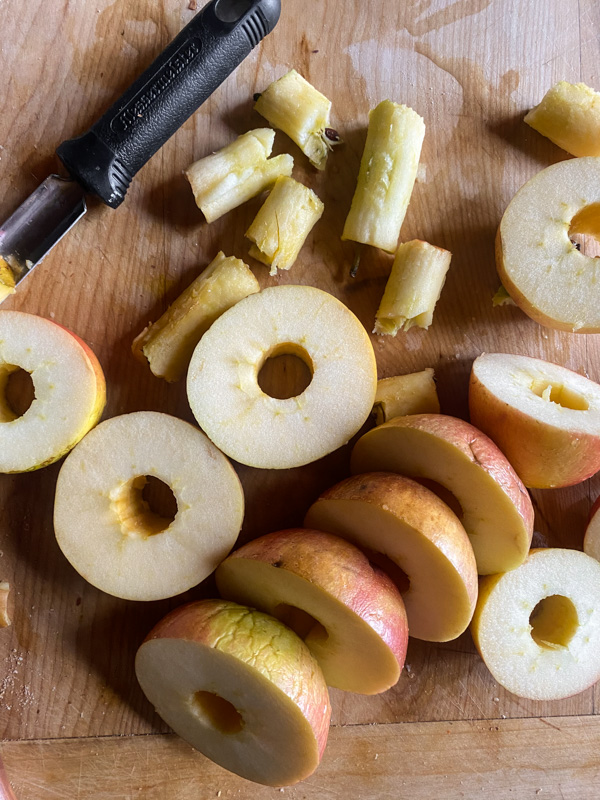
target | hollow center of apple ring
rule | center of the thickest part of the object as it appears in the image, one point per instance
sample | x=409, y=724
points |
x=286, y=371
x=215, y=711
x=144, y=505
x=584, y=230
x=301, y=622
x=554, y=622
x=559, y=394
x=17, y=392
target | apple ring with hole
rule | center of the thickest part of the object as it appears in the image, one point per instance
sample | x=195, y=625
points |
x=537, y=628
x=110, y=532
x=256, y=429
x=240, y=687
x=68, y=387
x=540, y=267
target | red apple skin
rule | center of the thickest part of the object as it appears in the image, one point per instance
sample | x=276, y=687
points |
x=343, y=571
x=543, y=456
x=209, y=622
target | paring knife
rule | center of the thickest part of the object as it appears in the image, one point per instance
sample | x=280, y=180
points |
x=104, y=160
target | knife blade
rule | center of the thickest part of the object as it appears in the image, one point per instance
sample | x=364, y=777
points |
x=104, y=160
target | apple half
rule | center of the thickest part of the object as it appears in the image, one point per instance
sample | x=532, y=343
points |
x=541, y=268
x=408, y=530
x=240, y=687
x=69, y=388
x=591, y=539
x=544, y=417
x=110, y=533
x=497, y=512
x=268, y=432
x=537, y=627
x=347, y=611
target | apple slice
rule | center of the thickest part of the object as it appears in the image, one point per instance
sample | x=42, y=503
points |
x=69, y=387
x=399, y=395
x=541, y=268
x=591, y=539
x=347, y=611
x=395, y=517
x=240, y=687
x=109, y=532
x=537, y=627
x=268, y=432
x=497, y=512
x=544, y=418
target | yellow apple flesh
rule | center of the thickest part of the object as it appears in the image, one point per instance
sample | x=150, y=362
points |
x=240, y=687
x=591, y=539
x=348, y=611
x=497, y=512
x=399, y=519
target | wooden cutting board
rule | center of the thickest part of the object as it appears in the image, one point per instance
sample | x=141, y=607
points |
x=471, y=68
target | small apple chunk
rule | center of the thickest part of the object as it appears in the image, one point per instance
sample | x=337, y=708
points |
x=7, y=280
x=591, y=539
x=541, y=268
x=68, y=386
x=240, y=687
x=414, y=393
x=407, y=529
x=110, y=532
x=348, y=612
x=268, y=432
x=569, y=115
x=545, y=418
x=497, y=512
x=537, y=627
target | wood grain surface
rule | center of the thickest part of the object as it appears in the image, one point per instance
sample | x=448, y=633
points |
x=471, y=68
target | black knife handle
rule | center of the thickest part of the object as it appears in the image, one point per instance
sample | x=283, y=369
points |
x=185, y=74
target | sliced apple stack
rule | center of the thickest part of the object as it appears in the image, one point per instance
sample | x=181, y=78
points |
x=109, y=531
x=497, y=512
x=545, y=418
x=347, y=611
x=240, y=687
x=263, y=431
x=68, y=384
x=541, y=268
x=537, y=627
x=414, y=536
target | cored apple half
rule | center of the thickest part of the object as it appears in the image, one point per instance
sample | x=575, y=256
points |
x=240, y=687
x=109, y=531
x=497, y=513
x=545, y=418
x=348, y=611
x=68, y=384
x=407, y=529
x=538, y=628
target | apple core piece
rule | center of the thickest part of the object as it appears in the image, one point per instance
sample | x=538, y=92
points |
x=109, y=531
x=537, y=627
x=415, y=537
x=591, y=539
x=240, y=687
x=347, y=611
x=497, y=512
x=68, y=386
x=544, y=417
x=263, y=431
x=544, y=272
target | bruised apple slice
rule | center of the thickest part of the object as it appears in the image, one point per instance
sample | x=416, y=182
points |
x=538, y=629
x=268, y=432
x=110, y=532
x=545, y=418
x=591, y=539
x=348, y=611
x=240, y=687
x=542, y=270
x=68, y=384
x=400, y=522
x=497, y=512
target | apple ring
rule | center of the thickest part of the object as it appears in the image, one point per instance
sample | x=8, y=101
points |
x=540, y=267
x=69, y=386
x=110, y=534
x=262, y=431
x=537, y=627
